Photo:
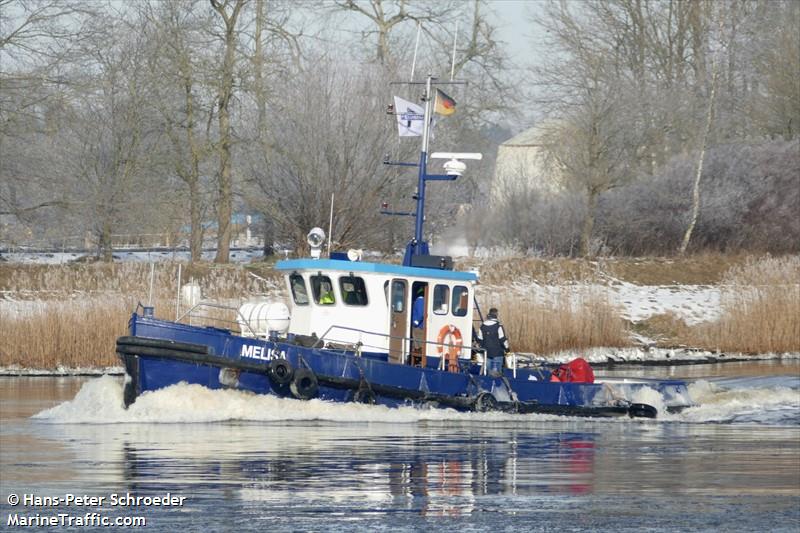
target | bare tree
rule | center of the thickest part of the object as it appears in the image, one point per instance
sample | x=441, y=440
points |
x=37, y=37
x=776, y=62
x=387, y=15
x=229, y=11
x=271, y=38
x=325, y=139
x=110, y=135
x=588, y=150
x=593, y=135
x=700, y=161
x=174, y=63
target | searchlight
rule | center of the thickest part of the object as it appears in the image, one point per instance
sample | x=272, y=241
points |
x=455, y=167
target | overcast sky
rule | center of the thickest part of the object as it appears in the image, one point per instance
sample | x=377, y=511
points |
x=514, y=19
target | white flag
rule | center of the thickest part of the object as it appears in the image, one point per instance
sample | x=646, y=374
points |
x=410, y=117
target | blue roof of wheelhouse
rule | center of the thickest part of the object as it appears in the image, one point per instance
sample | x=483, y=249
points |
x=379, y=268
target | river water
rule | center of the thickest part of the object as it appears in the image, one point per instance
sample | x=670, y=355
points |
x=242, y=462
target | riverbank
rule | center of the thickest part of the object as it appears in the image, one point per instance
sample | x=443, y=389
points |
x=68, y=316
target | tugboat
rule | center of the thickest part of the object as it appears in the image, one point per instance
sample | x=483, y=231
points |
x=349, y=337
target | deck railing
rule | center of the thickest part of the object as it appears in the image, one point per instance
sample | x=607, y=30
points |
x=193, y=315
x=360, y=344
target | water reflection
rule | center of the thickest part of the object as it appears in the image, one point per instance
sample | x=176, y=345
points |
x=297, y=472
x=436, y=469
x=769, y=367
x=432, y=472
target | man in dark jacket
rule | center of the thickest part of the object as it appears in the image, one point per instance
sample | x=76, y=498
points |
x=494, y=342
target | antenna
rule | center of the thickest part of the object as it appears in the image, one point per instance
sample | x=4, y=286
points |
x=456, y=155
x=330, y=228
x=150, y=293
x=453, y=63
x=178, y=295
x=416, y=47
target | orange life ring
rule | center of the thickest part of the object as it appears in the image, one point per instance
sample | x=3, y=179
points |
x=454, y=344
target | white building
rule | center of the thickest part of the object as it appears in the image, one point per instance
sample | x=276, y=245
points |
x=520, y=165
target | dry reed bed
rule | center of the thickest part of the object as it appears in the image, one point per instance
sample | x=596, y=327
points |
x=566, y=323
x=59, y=334
x=761, y=309
x=82, y=333
x=56, y=281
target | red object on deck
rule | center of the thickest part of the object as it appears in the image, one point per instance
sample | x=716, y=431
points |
x=576, y=371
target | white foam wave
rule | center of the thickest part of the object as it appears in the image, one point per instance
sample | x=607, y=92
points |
x=766, y=405
x=100, y=402
x=651, y=397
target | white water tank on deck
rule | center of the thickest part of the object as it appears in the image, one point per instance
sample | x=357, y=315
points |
x=260, y=318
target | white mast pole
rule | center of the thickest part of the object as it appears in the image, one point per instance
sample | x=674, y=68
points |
x=178, y=294
x=152, y=275
x=416, y=47
x=330, y=228
x=453, y=63
x=423, y=163
x=425, y=126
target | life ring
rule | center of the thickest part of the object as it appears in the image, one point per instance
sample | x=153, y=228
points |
x=454, y=344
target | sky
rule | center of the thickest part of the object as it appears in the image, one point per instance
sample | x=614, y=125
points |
x=514, y=19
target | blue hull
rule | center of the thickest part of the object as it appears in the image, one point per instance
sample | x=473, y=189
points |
x=160, y=353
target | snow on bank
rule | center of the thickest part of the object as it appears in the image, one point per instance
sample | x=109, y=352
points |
x=691, y=303
x=58, y=258
x=652, y=356
x=15, y=370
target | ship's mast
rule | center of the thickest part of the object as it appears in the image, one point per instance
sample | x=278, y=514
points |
x=417, y=245
x=423, y=165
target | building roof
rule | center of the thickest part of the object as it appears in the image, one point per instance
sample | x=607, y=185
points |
x=529, y=137
x=533, y=135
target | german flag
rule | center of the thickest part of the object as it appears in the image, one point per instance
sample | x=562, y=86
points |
x=443, y=104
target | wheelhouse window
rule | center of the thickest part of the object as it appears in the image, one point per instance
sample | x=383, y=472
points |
x=353, y=290
x=398, y=296
x=299, y=292
x=460, y=300
x=441, y=299
x=322, y=287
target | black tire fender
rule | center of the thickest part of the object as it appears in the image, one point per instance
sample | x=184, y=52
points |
x=304, y=384
x=642, y=410
x=280, y=372
x=146, y=342
x=129, y=392
x=485, y=402
x=365, y=396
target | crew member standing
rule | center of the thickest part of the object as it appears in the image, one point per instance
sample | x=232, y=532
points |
x=418, y=329
x=493, y=340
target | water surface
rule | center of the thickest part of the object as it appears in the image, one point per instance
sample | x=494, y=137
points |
x=245, y=462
